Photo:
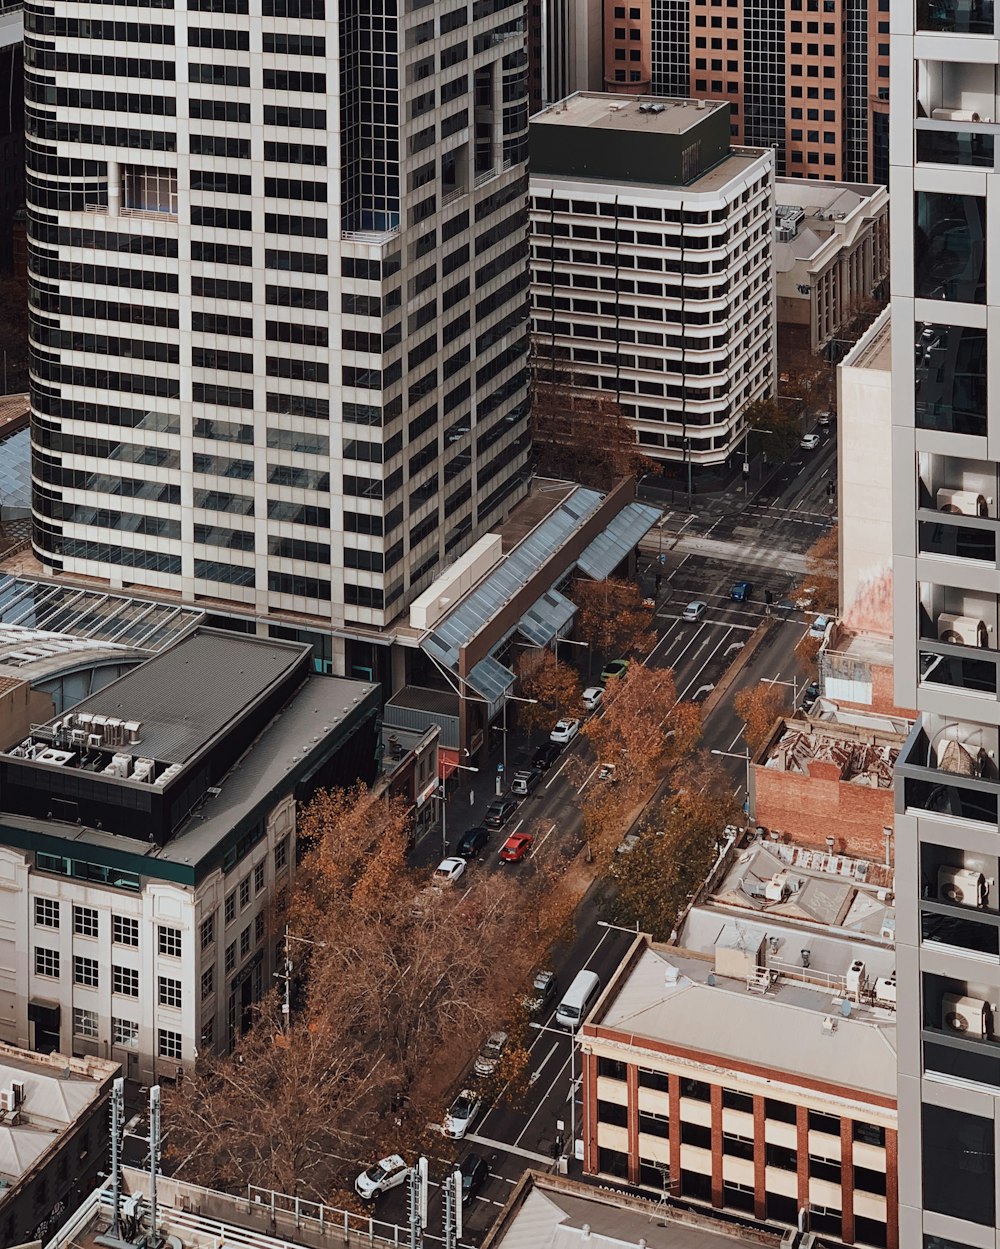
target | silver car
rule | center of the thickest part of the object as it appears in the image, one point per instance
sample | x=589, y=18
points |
x=489, y=1059
x=694, y=611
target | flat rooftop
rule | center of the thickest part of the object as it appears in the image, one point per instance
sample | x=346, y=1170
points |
x=604, y=111
x=796, y=1026
x=873, y=350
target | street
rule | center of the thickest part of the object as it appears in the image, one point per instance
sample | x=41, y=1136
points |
x=699, y=553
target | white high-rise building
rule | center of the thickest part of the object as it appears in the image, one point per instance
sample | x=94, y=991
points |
x=278, y=294
x=946, y=592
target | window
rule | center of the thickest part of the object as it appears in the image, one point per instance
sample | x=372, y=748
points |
x=281, y=854
x=696, y=1089
x=168, y=991
x=612, y=1068
x=46, y=913
x=612, y=1112
x=959, y=1164
x=124, y=931
x=85, y=971
x=169, y=941
x=258, y=877
x=244, y=892
x=230, y=957
x=46, y=962
x=231, y=907
x=245, y=941
x=124, y=980
x=149, y=190
x=84, y=1022
x=207, y=932
x=654, y=1080
x=951, y=246
x=168, y=1044
x=207, y=982
x=85, y=921
x=259, y=927
x=124, y=1032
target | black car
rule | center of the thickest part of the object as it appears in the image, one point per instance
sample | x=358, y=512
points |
x=470, y=843
x=474, y=1175
x=499, y=812
x=810, y=695
x=546, y=755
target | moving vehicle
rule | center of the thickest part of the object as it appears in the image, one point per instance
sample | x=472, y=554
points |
x=474, y=1174
x=385, y=1174
x=515, y=847
x=741, y=591
x=448, y=871
x=593, y=696
x=461, y=1114
x=810, y=695
x=493, y=1050
x=524, y=781
x=499, y=811
x=818, y=627
x=809, y=442
x=543, y=989
x=471, y=842
x=694, y=611
x=564, y=732
x=578, y=999
x=615, y=668
x=823, y=419
x=546, y=755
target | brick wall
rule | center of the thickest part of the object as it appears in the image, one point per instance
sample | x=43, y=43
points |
x=811, y=807
x=883, y=696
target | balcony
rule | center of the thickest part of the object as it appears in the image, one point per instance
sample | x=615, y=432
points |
x=949, y=363
x=948, y=769
x=943, y=143
x=961, y=17
x=950, y=248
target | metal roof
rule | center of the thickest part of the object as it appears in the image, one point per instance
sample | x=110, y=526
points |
x=491, y=679
x=93, y=615
x=546, y=618
x=609, y=548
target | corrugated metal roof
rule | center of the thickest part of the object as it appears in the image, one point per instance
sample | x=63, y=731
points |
x=546, y=618
x=491, y=679
x=609, y=548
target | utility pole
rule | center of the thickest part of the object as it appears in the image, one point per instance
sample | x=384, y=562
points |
x=453, y=1209
x=117, y=1128
x=154, y=1161
x=285, y=976
x=416, y=1204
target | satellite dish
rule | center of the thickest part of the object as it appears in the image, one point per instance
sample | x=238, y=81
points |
x=845, y=1008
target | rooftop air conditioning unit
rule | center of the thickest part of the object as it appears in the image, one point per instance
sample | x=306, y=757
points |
x=954, y=114
x=856, y=977
x=94, y=741
x=962, y=885
x=964, y=1014
x=8, y=1101
x=17, y=1088
x=963, y=630
x=962, y=502
x=885, y=990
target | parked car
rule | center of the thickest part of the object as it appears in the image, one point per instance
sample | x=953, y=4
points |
x=525, y=781
x=499, y=811
x=694, y=611
x=741, y=591
x=818, y=627
x=564, y=732
x=809, y=442
x=471, y=842
x=823, y=419
x=385, y=1174
x=543, y=990
x=615, y=668
x=515, y=847
x=593, y=696
x=448, y=871
x=474, y=1175
x=493, y=1050
x=461, y=1114
x=546, y=755
x=810, y=695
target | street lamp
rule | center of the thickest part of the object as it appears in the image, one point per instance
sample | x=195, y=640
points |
x=442, y=797
x=286, y=974
x=508, y=698
x=541, y=1027
x=750, y=429
x=730, y=754
x=603, y=923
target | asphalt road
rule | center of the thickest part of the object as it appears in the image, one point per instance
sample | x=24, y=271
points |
x=760, y=537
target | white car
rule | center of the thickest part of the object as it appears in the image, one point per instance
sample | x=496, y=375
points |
x=593, y=697
x=564, y=732
x=461, y=1114
x=818, y=627
x=385, y=1174
x=809, y=442
x=448, y=871
x=694, y=611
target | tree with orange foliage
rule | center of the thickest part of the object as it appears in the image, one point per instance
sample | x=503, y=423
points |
x=758, y=707
x=399, y=984
x=612, y=618
x=555, y=686
x=822, y=578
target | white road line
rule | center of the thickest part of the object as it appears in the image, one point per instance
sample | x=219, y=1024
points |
x=588, y=778
x=538, y=1070
x=725, y=638
x=535, y=849
x=736, y=739
x=548, y=1093
x=566, y=760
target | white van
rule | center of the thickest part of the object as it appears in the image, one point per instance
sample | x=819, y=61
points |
x=578, y=999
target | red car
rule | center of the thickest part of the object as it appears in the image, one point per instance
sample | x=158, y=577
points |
x=516, y=847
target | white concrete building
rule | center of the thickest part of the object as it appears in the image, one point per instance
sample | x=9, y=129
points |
x=651, y=279
x=278, y=297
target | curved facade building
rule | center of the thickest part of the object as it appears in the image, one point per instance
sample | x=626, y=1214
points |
x=278, y=320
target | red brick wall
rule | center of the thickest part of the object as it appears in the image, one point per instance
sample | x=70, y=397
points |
x=810, y=808
x=883, y=696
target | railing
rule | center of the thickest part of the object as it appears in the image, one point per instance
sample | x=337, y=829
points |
x=318, y=1217
x=95, y=208
x=369, y=236
x=148, y=214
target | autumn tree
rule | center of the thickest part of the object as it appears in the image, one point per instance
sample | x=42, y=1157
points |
x=758, y=707
x=554, y=685
x=578, y=433
x=612, y=618
x=676, y=848
x=394, y=985
x=821, y=582
x=774, y=428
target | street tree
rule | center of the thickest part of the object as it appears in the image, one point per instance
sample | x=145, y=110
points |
x=775, y=427
x=758, y=706
x=612, y=618
x=822, y=577
x=554, y=685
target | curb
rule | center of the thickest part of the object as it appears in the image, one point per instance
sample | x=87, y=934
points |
x=736, y=667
